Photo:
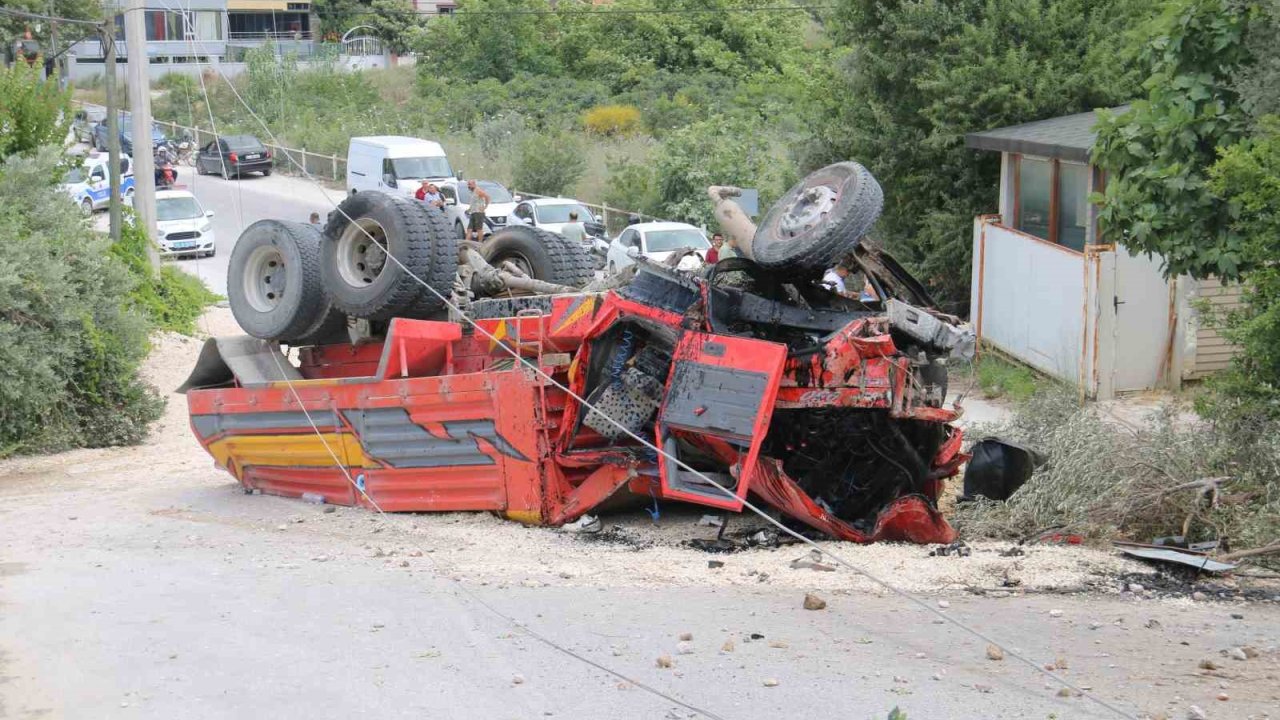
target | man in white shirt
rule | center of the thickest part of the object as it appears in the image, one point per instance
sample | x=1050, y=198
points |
x=834, y=279
x=574, y=230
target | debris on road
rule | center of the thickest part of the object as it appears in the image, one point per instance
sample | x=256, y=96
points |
x=998, y=468
x=1197, y=560
x=995, y=653
x=771, y=682
x=813, y=602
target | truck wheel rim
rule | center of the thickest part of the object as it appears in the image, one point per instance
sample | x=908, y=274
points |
x=361, y=260
x=265, y=279
x=809, y=208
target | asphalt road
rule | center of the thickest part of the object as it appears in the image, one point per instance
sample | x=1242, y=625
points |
x=238, y=203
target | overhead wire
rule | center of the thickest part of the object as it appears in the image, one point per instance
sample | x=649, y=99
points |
x=361, y=490
x=547, y=378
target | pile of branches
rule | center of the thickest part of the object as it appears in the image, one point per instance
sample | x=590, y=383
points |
x=1174, y=474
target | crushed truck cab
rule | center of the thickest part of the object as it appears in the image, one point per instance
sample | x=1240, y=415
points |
x=438, y=416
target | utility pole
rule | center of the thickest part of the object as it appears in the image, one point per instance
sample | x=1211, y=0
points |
x=113, y=124
x=52, y=67
x=144, y=166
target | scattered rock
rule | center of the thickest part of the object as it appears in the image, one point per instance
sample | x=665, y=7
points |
x=713, y=564
x=1136, y=587
x=1237, y=616
x=1055, y=613
x=282, y=527
x=1250, y=651
x=1199, y=596
x=982, y=688
x=686, y=636
x=517, y=679
x=415, y=553
x=1236, y=653
x=813, y=602
x=771, y=682
x=665, y=661
x=944, y=604
x=1061, y=663
x=727, y=646
x=1195, y=713
x=1153, y=624
x=329, y=509
x=321, y=558
x=778, y=644
x=1208, y=664
x=994, y=653
x=1223, y=697
x=937, y=676
x=684, y=648
x=1064, y=692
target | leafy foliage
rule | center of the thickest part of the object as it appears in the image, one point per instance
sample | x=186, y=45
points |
x=393, y=21
x=1157, y=155
x=921, y=74
x=71, y=339
x=172, y=300
x=34, y=112
x=548, y=164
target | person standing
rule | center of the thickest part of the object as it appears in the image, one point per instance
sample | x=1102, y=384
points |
x=713, y=255
x=421, y=193
x=315, y=218
x=475, y=211
x=432, y=197
x=574, y=230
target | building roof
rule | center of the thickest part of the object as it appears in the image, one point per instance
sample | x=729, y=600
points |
x=1069, y=137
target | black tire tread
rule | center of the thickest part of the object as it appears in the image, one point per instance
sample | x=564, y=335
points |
x=415, y=254
x=444, y=264
x=838, y=236
x=571, y=263
x=313, y=305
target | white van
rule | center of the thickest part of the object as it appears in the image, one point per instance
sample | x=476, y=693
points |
x=394, y=164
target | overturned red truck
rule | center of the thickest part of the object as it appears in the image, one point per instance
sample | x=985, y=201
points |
x=825, y=406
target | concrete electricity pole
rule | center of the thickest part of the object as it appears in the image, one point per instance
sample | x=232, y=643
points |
x=113, y=124
x=144, y=167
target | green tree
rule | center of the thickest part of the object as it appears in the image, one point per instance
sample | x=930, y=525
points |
x=71, y=336
x=1157, y=154
x=916, y=76
x=548, y=164
x=490, y=39
x=1246, y=179
x=33, y=113
x=393, y=21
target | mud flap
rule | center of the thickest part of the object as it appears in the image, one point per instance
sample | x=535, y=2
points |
x=720, y=392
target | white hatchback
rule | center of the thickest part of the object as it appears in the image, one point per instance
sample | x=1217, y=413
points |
x=185, y=228
x=656, y=241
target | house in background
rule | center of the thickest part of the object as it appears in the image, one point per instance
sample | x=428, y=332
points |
x=1052, y=291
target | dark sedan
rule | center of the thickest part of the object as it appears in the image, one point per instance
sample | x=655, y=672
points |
x=234, y=155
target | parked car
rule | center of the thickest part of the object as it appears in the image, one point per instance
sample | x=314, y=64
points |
x=553, y=214
x=89, y=184
x=234, y=155
x=185, y=228
x=83, y=122
x=656, y=241
x=457, y=197
x=126, y=135
x=394, y=164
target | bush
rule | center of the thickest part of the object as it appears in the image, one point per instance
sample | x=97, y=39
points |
x=612, y=120
x=171, y=299
x=1104, y=479
x=71, y=337
x=34, y=113
x=500, y=135
x=548, y=164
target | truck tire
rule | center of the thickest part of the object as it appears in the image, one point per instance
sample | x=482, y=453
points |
x=273, y=281
x=820, y=220
x=544, y=255
x=359, y=277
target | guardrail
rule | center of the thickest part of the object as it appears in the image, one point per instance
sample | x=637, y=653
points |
x=328, y=167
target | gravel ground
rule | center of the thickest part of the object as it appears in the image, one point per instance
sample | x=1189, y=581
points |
x=141, y=583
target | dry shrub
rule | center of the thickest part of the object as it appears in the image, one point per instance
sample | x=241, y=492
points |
x=612, y=120
x=1105, y=479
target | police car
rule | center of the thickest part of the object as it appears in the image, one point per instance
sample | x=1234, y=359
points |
x=90, y=185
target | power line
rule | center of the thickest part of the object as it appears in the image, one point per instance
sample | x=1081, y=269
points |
x=583, y=402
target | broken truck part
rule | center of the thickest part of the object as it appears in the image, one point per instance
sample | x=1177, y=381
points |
x=756, y=377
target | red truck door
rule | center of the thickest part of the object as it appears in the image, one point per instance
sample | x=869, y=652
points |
x=719, y=400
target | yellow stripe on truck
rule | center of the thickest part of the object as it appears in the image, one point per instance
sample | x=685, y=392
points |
x=301, y=450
